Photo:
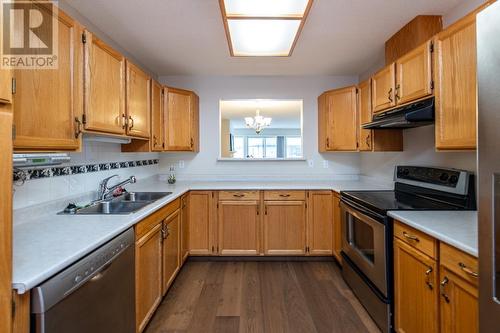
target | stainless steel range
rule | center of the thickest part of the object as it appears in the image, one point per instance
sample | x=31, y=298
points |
x=367, y=231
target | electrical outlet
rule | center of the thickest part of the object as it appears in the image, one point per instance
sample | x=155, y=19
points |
x=181, y=164
x=310, y=163
x=326, y=165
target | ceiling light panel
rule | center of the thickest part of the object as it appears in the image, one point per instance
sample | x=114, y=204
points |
x=262, y=37
x=263, y=28
x=266, y=8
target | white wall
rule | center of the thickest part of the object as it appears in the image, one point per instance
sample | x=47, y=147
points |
x=36, y=191
x=212, y=89
x=418, y=150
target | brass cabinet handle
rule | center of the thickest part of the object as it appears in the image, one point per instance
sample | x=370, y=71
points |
x=427, y=277
x=467, y=270
x=155, y=141
x=328, y=142
x=132, y=122
x=397, y=92
x=442, y=285
x=78, y=127
x=238, y=195
x=125, y=123
x=390, y=95
x=192, y=143
x=411, y=237
x=368, y=143
x=284, y=195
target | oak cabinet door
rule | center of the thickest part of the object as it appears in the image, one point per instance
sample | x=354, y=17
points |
x=138, y=102
x=104, y=92
x=184, y=227
x=320, y=223
x=414, y=75
x=181, y=120
x=47, y=101
x=342, y=120
x=383, y=88
x=365, y=115
x=337, y=227
x=201, y=241
x=284, y=227
x=456, y=84
x=459, y=304
x=157, y=137
x=171, y=248
x=415, y=289
x=238, y=227
x=5, y=86
x=148, y=275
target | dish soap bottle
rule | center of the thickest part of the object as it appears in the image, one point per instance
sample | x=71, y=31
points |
x=171, y=176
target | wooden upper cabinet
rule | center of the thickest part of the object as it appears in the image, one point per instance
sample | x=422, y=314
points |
x=320, y=223
x=416, y=290
x=459, y=304
x=456, y=85
x=138, y=102
x=201, y=241
x=104, y=87
x=238, y=227
x=5, y=86
x=414, y=74
x=337, y=120
x=171, y=247
x=284, y=227
x=181, y=120
x=365, y=115
x=383, y=88
x=157, y=137
x=47, y=101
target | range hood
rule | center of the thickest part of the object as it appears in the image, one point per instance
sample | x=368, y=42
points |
x=416, y=114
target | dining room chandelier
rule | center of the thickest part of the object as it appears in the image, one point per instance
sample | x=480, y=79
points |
x=258, y=122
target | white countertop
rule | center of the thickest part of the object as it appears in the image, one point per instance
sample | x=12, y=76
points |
x=45, y=243
x=456, y=228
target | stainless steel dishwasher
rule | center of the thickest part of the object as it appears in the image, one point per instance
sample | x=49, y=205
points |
x=96, y=294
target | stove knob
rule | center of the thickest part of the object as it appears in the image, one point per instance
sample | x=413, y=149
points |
x=77, y=279
x=453, y=179
x=406, y=172
x=444, y=177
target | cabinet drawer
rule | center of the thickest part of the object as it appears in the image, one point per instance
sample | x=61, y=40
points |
x=239, y=195
x=415, y=238
x=460, y=263
x=149, y=222
x=284, y=195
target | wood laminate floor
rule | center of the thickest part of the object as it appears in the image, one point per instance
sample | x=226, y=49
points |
x=260, y=297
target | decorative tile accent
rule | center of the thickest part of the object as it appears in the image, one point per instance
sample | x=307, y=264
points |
x=27, y=174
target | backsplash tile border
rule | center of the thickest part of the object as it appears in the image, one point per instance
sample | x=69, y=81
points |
x=38, y=173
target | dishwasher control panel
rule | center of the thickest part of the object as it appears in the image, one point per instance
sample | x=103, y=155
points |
x=90, y=267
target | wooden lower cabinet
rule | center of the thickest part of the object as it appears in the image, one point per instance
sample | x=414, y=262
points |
x=201, y=223
x=148, y=275
x=337, y=227
x=284, y=227
x=319, y=223
x=171, y=248
x=239, y=227
x=416, y=290
x=459, y=304
x=184, y=228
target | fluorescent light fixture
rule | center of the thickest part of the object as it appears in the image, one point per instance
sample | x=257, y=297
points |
x=266, y=8
x=263, y=28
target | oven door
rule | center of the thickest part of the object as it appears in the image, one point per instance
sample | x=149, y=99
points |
x=364, y=242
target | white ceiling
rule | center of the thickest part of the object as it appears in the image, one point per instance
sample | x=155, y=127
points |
x=284, y=113
x=186, y=37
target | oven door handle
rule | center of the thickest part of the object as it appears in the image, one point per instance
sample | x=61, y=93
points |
x=351, y=204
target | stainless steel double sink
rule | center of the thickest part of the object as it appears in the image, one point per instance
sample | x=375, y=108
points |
x=127, y=203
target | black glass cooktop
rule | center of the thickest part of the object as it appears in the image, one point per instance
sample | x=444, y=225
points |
x=383, y=201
